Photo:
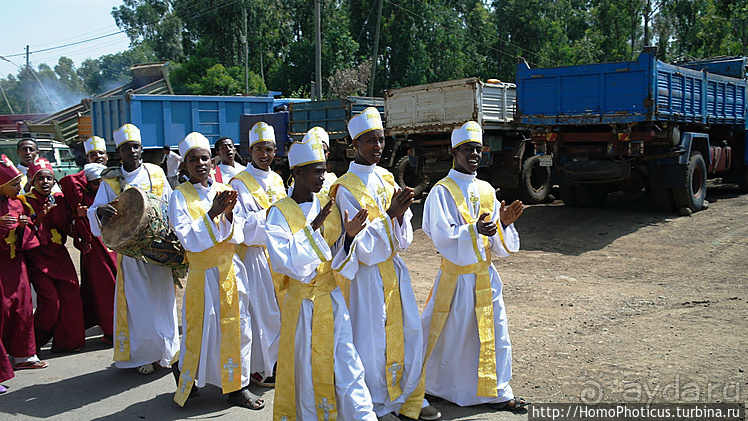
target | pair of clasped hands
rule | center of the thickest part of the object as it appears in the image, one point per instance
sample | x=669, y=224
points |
x=508, y=215
x=401, y=201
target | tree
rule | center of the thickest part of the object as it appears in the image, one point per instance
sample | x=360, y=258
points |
x=152, y=23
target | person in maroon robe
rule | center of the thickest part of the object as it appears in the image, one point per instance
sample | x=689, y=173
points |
x=16, y=237
x=98, y=264
x=59, y=312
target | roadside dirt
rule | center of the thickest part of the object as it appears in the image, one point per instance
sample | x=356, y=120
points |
x=623, y=303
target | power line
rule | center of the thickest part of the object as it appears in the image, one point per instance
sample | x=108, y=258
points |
x=66, y=45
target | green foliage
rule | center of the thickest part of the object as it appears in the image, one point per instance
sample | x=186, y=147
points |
x=191, y=78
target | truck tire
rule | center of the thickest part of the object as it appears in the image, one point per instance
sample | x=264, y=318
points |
x=591, y=195
x=693, y=191
x=568, y=195
x=534, y=182
x=407, y=176
x=663, y=199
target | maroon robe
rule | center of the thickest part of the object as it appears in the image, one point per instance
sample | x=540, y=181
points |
x=17, y=327
x=6, y=369
x=98, y=264
x=59, y=312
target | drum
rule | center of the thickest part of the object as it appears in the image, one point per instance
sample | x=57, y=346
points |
x=141, y=230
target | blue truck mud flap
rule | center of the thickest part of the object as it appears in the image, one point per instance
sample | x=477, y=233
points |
x=595, y=171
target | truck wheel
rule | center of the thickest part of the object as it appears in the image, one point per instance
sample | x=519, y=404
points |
x=693, y=192
x=535, y=181
x=568, y=195
x=591, y=195
x=663, y=199
x=407, y=176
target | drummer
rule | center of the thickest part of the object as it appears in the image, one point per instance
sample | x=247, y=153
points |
x=145, y=315
x=259, y=187
x=216, y=341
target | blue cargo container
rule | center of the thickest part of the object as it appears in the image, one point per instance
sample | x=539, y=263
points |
x=167, y=119
x=644, y=90
x=638, y=124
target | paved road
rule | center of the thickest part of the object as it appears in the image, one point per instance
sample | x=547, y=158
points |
x=86, y=386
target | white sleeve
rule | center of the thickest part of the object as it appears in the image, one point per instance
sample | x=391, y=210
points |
x=252, y=215
x=296, y=255
x=510, y=235
x=104, y=195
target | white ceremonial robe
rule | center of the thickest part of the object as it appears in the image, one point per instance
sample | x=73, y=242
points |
x=452, y=369
x=195, y=237
x=263, y=306
x=366, y=298
x=294, y=256
x=228, y=172
x=149, y=290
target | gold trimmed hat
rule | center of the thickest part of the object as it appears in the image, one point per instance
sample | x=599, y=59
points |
x=469, y=132
x=261, y=132
x=94, y=143
x=309, y=150
x=369, y=120
x=127, y=133
x=192, y=141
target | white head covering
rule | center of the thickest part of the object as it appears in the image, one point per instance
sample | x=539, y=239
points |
x=309, y=150
x=94, y=143
x=469, y=132
x=192, y=141
x=365, y=122
x=319, y=133
x=261, y=132
x=127, y=133
x=93, y=171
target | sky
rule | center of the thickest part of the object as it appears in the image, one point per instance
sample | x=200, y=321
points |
x=46, y=24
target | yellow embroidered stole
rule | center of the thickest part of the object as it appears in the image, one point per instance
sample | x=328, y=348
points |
x=393, y=326
x=122, y=328
x=220, y=256
x=483, y=295
x=323, y=338
x=263, y=198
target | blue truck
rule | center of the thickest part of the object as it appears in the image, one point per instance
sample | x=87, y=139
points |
x=634, y=125
x=165, y=120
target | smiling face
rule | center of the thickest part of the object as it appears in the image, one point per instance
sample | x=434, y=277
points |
x=263, y=154
x=98, y=157
x=467, y=157
x=11, y=188
x=310, y=177
x=369, y=147
x=27, y=151
x=44, y=180
x=198, y=163
x=130, y=154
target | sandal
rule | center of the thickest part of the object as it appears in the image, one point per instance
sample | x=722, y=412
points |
x=3, y=389
x=146, y=369
x=259, y=380
x=28, y=365
x=515, y=404
x=246, y=399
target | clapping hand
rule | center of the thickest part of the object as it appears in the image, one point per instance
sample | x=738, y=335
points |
x=224, y=202
x=401, y=201
x=354, y=225
x=320, y=219
x=509, y=214
x=8, y=221
x=487, y=228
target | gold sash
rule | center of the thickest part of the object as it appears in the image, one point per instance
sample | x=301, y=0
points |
x=220, y=256
x=263, y=198
x=483, y=295
x=323, y=326
x=122, y=328
x=393, y=326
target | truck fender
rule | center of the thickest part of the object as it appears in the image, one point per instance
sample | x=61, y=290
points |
x=697, y=142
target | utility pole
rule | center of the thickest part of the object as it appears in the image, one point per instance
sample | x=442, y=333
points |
x=376, y=50
x=318, y=50
x=246, y=52
x=28, y=88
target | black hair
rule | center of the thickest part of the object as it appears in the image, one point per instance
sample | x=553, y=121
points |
x=26, y=139
x=166, y=148
x=221, y=139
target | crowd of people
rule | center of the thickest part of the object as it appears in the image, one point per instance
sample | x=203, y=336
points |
x=302, y=289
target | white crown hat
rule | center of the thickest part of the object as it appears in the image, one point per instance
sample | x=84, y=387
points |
x=369, y=120
x=261, y=132
x=308, y=151
x=127, y=133
x=192, y=141
x=94, y=143
x=319, y=133
x=469, y=132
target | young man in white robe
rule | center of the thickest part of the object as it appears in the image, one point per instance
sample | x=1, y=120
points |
x=216, y=344
x=323, y=375
x=330, y=177
x=384, y=314
x=227, y=166
x=145, y=312
x=468, y=359
x=258, y=188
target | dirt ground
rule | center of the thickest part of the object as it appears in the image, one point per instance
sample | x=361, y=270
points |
x=623, y=303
